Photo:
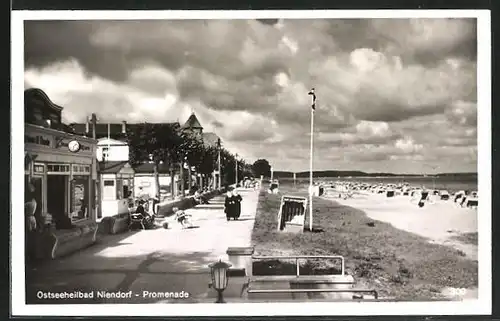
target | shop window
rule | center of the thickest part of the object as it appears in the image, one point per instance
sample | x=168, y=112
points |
x=58, y=168
x=81, y=169
x=128, y=187
x=108, y=192
x=79, y=208
x=39, y=169
x=119, y=189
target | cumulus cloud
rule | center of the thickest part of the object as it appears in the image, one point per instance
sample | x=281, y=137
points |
x=389, y=91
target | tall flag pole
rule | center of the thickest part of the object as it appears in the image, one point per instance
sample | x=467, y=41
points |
x=109, y=138
x=313, y=108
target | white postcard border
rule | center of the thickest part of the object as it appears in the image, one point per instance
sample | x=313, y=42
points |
x=468, y=307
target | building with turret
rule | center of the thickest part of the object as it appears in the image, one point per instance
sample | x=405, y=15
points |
x=113, y=157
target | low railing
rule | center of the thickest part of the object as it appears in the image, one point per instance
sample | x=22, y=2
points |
x=302, y=257
x=262, y=291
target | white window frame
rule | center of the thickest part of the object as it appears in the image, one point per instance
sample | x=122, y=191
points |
x=89, y=184
x=67, y=172
x=80, y=169
x=104, y=187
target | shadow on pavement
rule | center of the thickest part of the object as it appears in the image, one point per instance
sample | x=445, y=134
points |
x=137, y=278
x=246, y=219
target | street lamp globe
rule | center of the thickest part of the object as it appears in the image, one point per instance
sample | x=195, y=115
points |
x=218, y=272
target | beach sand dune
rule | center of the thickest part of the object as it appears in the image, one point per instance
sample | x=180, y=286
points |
x=441, y=222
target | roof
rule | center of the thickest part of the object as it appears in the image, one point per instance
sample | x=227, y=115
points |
x=101, y=130
x=210, y=139
x=104, y=141
x=37, y=93
x=111, y=167
x=149, y=168
x=28, y=127
x=192, y=122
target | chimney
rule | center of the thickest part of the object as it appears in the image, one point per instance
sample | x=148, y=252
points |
x=124, y=127
x=94, y=122
x=87, y=128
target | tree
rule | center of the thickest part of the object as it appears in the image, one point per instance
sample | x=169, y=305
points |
x=208, y=160
x=147, y=143
x=261, y=167
x=154, y=142
x=227, y=166
x=192, y=149
x=176, y=147
x=246, y=169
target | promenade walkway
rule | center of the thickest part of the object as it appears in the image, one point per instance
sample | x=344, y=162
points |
x=160, y=260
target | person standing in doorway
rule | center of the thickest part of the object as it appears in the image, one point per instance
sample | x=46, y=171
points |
x=30, y=206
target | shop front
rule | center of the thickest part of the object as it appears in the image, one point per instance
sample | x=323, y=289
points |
x=117, y=186
x=61, y=168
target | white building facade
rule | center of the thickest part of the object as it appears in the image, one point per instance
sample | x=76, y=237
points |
x=112, y=150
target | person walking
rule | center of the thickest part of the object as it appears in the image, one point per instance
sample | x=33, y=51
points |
x=237, y=204
x=229, y=205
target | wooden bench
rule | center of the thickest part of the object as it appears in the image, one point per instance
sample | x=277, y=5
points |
x=329, y=286
x=71, y=240
x=114, y=224
x=185, y=203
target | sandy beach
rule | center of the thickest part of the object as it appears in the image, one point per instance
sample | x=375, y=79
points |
x=439, y=221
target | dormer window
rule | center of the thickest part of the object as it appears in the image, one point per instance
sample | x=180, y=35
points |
x=40, y=111
x=105, y=153
x=37, y=114
x=54, y=120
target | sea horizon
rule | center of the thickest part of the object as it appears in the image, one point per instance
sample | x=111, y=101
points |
x=450, y=183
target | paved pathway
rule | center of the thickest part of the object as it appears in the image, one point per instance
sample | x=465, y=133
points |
x=161, y=260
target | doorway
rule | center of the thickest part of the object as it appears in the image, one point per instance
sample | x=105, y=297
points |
x=56, y=195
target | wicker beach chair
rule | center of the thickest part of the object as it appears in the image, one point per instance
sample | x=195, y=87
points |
x=291, y=215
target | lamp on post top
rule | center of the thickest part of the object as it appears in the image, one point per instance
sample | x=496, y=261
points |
x=218, y=272
x=218, y=163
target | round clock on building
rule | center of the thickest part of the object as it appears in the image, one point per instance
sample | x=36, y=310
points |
x=74, y=146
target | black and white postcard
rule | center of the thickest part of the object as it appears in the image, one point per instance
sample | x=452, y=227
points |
x=184, y=163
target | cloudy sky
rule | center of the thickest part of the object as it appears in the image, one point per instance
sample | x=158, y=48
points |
x=395, y=95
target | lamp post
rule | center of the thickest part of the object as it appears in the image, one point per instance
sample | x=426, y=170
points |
x=313, y=107
x=218, y=163
x=218, y=272
x=236, y=170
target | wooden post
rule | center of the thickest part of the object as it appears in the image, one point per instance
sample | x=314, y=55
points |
x=190, y=178
x=181, y=178
x=97, y=183
x=172, y=183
